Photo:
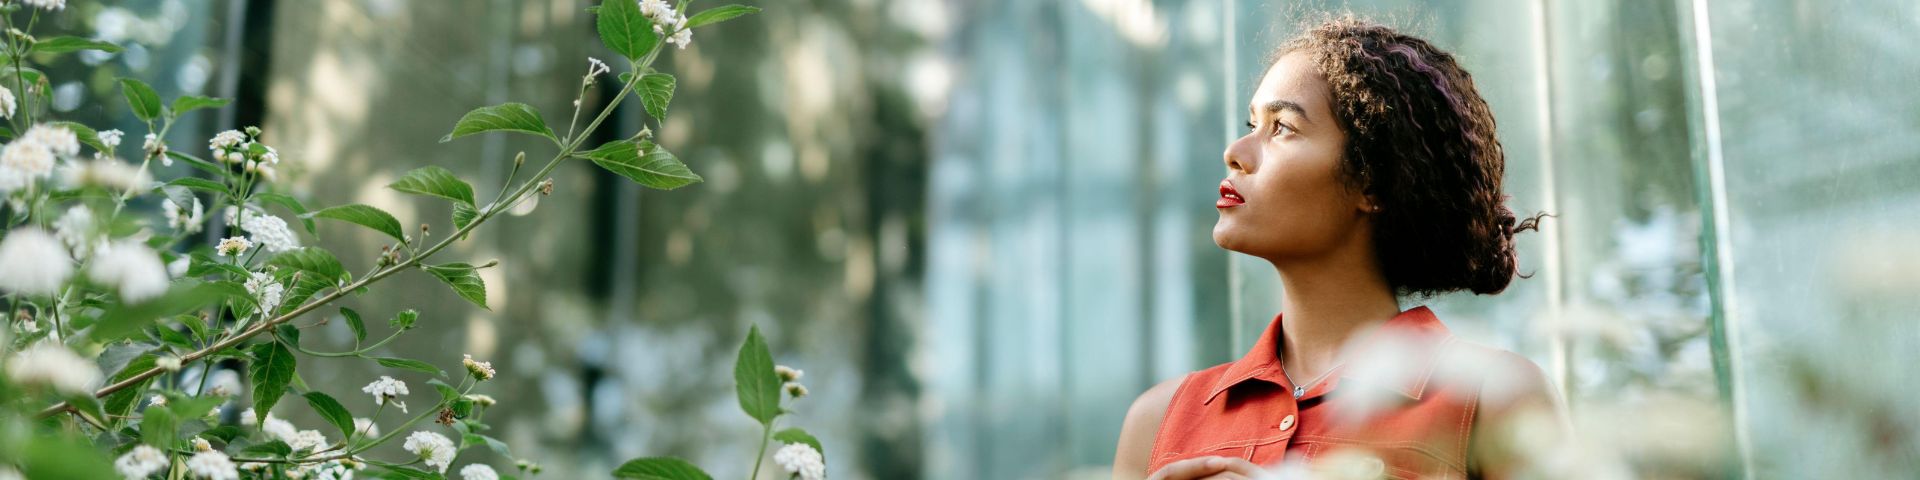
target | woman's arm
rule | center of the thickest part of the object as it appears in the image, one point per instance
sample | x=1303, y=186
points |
x=1520, y=418
x=1137, y=433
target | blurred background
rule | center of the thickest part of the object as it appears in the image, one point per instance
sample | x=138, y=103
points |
x=982, y=227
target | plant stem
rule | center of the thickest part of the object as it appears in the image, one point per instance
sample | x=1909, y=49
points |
x=412, y=262
x=766, y=435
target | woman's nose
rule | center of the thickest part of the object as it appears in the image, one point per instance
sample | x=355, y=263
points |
x=1237, y=156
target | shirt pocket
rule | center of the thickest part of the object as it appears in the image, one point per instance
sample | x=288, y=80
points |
x=1241, y=449
x=1392, y=460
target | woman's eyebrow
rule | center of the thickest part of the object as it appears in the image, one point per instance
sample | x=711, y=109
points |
x=1277, y=106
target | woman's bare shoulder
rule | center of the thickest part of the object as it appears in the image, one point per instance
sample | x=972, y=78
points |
x=1142, y=424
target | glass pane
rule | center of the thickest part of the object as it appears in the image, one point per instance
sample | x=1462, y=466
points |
x=1811, y=139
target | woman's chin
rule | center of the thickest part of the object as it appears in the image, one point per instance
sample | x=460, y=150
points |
x=1225, y=236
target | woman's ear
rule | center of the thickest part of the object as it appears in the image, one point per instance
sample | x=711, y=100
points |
x=1369, y=203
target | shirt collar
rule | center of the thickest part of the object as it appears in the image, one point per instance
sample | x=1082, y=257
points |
x=1410, y=342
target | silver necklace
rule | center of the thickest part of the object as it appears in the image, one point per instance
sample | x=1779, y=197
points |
x=1300, y=389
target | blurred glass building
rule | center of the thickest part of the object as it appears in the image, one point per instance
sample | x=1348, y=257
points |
x=981, y=226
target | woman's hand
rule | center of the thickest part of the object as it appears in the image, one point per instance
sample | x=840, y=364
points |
x=1222, y=468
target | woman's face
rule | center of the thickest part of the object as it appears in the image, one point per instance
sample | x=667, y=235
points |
x=1283, y=196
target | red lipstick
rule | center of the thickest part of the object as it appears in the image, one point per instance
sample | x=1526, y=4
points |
x=1229, y=197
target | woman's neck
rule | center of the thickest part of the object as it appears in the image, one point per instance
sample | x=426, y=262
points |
x=1327, y=303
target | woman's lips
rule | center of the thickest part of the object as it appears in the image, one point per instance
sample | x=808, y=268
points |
x=1229, y=197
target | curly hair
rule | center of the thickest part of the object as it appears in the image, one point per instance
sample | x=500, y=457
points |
x=1421, y=141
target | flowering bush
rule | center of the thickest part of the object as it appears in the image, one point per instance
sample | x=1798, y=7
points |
x=126, y=332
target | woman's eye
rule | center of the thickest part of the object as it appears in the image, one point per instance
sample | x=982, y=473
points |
x=1281, y=129
x=1249, y=124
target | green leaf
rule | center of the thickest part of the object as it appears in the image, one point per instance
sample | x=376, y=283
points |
x=464, y=214
x=271, y=371
x=512, y=117
x=447, y=392
x=435, y=181
x=353, y=322
x=644, y=163
x=754, y=381
x=404, y=319
x=660, y=468
x=272, y=448
x=719, y=14
x=292, y=205
x=145, y=103
x=200, y=184
x=159, y=427
x=314, y=260
x=201, y=164
x=365, y=216
x=54, y=456
x=410, y=364
x=464, y=280
x=125, y=319
x=121, y=403
x=72, y=44
x=625, y=30
x=331, y=410
x=188, y=103
x=796, y=435
x=84, y=134
x=656, y=90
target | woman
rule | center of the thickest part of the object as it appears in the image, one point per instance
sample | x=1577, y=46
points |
x=1370, y=172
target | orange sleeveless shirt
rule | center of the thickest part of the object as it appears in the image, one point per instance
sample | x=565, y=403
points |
x=1403, y=401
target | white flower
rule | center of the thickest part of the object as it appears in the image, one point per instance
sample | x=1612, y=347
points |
x=157, y=401
x=795, y=389
x=681, y=38
x=226, y=141
x=59, y=140
x=111, y=138
x=132, y=268
x=385, y=389
x=179, y=266
x=156, y=148
x=435, y=448
x=212, y=465
x=140, y=462
x=787, y=373
x=656, y=9
x=6, y=103
x=201, y=445
x=247, y=418
x=476, y=471
x=596, y=67
x=801, y=459
x=232, y=246
x=181, y=218
x=107, y=173
x=265, y=291
x=22, y=162
x=49, y=363
x=270, y=233
x=33, y=263
x=46, y=4
x=168, y=363
x=279, y=429
x=75, y=228
x=309, y=440
x=365, y=427
x=331, y=470
x=480, y=370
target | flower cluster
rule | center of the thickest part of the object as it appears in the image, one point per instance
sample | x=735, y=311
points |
x=667, y=22
x=386, y=389
x=433, y=448
x=801, y=459
x=244, y=149
x=33, y=156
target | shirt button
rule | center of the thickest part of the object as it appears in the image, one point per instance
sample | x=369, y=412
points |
x=1286, y=423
